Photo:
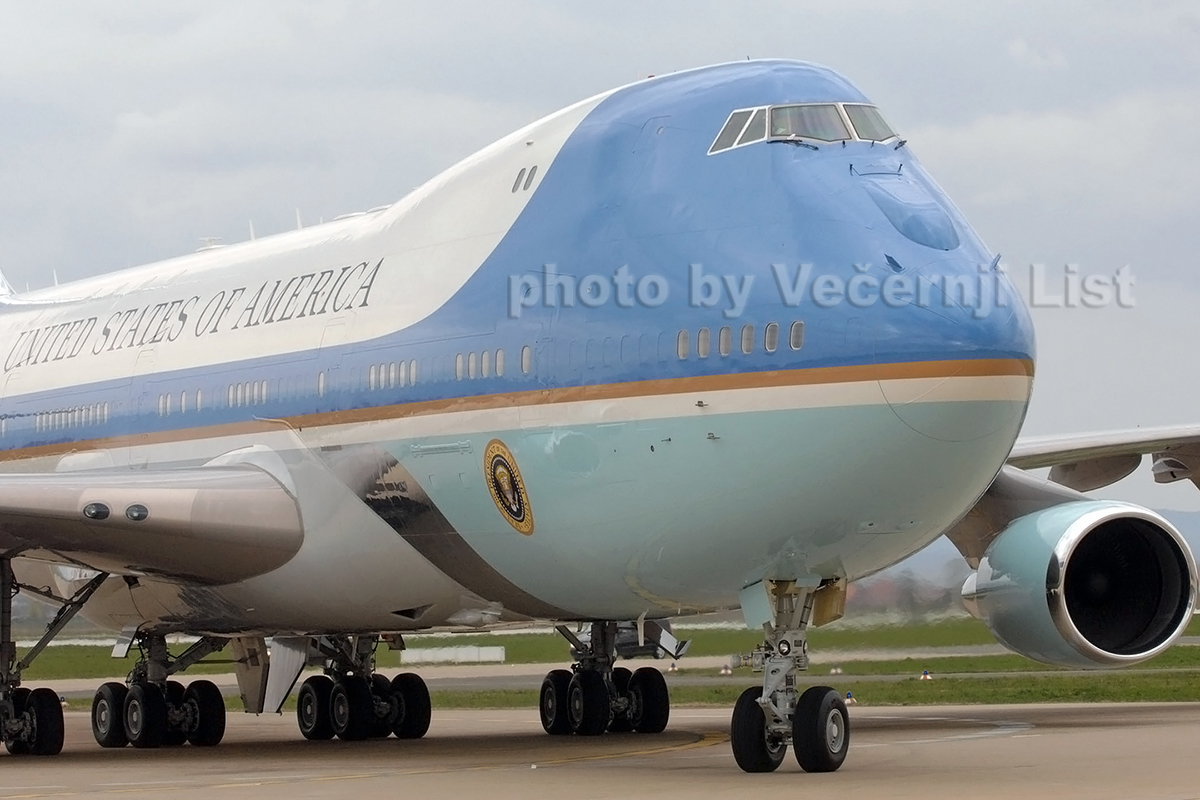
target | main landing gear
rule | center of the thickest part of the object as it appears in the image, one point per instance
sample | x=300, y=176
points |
x=595, y=696
x=353, y=702
x=154, y=711
x=31, y=722
x=767, y=718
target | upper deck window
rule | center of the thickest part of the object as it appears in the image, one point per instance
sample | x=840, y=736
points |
x=868, y=122
x=822, y=122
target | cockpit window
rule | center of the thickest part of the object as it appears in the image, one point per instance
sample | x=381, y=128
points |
x=868, y=122
x=729, y=134
x=821, y=122
x=756, y=129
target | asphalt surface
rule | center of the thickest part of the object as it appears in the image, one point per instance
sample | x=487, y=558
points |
x=1060, y=751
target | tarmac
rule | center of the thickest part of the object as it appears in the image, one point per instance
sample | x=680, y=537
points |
x=1059, y=751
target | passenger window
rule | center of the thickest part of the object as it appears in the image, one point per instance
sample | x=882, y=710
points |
x=264, y=391
x=703, y=341
x=229, y=400
x=199, y=400
x=458, y=367
x=796, y=335
x=526, y=359
x=681, y=344
x=729, y=134
x=320, y=384
x=771, y=337
x=471, y=366
x=182, y=403
x=485, y=364
x=499, y=363
x=725, y=341
x=757, y=129
x=747, y=339
x=412, y=372
x=371, y=378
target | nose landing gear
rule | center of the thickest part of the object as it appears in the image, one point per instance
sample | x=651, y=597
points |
x=767, y=719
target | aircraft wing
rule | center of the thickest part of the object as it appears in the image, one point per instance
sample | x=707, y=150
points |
x=211, y=524
x=1093, y=460
x=1078, y=463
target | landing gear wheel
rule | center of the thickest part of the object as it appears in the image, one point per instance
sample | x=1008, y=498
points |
x=145, y=715
x=206, y=714
x=108, y=715
x=552, y=704
x=47, y=722
x=351, y=709
x=381, y=692
x=620, y=721
x=820, y=730
x=312, y=708
x=20, y=699
x=651, y=706
x=588, y=707
x=752, y=749
x=411, y=695
x=175, y=734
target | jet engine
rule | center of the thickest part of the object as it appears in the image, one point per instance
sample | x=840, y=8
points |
x=1086, y=584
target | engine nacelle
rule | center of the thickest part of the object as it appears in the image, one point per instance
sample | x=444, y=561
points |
x=1086, y=584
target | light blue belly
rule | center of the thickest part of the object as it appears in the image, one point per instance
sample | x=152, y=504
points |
x=680, y=514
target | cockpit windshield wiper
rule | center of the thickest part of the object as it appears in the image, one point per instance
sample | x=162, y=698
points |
x=796, y=140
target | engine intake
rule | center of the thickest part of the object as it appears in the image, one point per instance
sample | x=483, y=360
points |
x=1086, y=584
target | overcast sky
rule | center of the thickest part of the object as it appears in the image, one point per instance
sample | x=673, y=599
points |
x=1066, y=131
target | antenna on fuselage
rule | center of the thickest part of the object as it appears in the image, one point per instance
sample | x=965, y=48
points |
x=209, y=243
x=299, y=224
x=54, y=272
x=252, y=236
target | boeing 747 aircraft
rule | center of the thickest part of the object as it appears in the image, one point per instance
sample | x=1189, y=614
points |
x=711, y=340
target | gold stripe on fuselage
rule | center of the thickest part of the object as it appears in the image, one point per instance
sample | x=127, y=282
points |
x=973, y=368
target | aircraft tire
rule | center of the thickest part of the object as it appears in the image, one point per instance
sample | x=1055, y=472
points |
x=108, y=715
x=208, y=714
x=748, y=735
x=312, y=708
x=416, y=709
x=145, y=716
x=820, y=730
x=351, y=709
x=652, y=701
x=552, y=702
x=48, y=723
x=588, y=707
x=621, y=722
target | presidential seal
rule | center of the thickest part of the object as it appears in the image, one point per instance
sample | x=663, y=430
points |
x=508, y=490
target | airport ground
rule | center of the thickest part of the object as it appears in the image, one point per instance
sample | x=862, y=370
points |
x=1058, y=751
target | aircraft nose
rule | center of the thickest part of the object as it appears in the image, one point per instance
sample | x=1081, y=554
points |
x=970, y=352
